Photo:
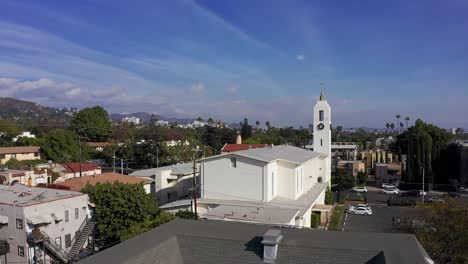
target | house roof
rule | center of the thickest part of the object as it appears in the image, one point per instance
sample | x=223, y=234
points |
x=75, y=167
x=77, y=184
x=180, y=169
x=190, y=241
x=19, y=150
x=21, y=195
x=238, y=147
x=271, y=153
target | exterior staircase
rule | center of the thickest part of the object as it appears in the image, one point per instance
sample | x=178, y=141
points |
x=80, y=239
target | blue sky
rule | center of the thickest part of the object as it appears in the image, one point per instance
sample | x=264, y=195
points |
x=263, y=60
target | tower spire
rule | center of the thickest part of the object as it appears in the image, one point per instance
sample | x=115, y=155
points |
x=322, y=95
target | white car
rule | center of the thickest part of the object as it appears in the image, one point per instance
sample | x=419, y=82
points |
x=360, y=189
x=387, y=186
x=435, y=200
x=390, y=191
x=360, y=210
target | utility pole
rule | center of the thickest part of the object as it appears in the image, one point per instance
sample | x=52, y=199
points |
x=114, y=160
x=81, y=168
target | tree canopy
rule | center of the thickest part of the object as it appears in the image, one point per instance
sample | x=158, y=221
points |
x=62, y=146
x=123, y=210
x=92, y=123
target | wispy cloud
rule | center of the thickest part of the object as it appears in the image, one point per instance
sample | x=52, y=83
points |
x=197, y=89
x=300, y=57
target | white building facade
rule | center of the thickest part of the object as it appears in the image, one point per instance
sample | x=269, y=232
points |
x=277, y=185
x=38, y=218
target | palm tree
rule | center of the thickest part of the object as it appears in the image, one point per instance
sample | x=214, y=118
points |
x=257, y=123
x=407, y=120
x=401, y=124
x=392, y=126
x=388, y=126
x=398, y=116
x=267, y=124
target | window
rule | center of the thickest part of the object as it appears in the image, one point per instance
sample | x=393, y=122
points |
x=2, y=156
x=67, y=240
x=321, y=115
x=77, y=213
x=273, y=184
x=20, y=251
x=58, y=241
x=13, y=156
x=36, y=154
x=19, y=223
x=233, y=163
x=67, y=216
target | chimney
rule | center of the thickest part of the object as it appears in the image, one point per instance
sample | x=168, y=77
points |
x=238, y=139
x=271, y=240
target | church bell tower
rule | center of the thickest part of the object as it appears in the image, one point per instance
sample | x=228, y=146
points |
x=322, y=131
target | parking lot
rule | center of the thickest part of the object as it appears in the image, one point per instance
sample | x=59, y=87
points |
x=382, y=215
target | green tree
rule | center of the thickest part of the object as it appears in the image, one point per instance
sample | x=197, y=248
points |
x=246, y=129
x=8, y=130
x=62, y=146
x=443, y=232
x=361, y=177
x=328, y=196
x=211, y=121
x=342, y=179
x=398, y=116
x=121, y=209
x=92, y=123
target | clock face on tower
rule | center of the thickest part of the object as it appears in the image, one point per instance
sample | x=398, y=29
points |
x=321, y=126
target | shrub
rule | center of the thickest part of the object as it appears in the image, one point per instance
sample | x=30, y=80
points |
x=314, y=220
x=328, y=196
x=336, y=218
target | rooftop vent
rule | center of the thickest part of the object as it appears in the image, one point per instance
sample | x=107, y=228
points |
x=271, y=240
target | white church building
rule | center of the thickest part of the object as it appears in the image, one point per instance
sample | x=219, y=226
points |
x=275, y=185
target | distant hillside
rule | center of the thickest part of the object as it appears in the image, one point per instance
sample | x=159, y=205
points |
x=146, y=117
x=19, y=110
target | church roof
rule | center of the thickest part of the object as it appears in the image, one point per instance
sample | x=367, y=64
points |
x=271, y=153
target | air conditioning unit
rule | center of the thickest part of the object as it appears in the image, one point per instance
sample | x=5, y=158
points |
x=319, y=179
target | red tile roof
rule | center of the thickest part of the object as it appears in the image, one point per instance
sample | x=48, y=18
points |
x=77, y=184
x=75, y=167
x=239, y=147
x=19, y=150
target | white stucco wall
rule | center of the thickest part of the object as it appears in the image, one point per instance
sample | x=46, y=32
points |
x=286, y=179
x=245, y=182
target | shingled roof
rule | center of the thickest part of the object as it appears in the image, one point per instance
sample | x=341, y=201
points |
x=77, y=184
x=191, y=241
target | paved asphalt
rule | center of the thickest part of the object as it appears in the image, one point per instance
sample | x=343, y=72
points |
x=381, y=218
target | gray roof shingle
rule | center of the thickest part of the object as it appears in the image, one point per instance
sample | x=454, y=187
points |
x=189, y=241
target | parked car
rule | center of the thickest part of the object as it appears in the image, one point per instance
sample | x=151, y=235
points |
x=413, y=193
x=387, y=185
x=453, y=194
x=390, y=191
x=421, y=192
x=360, y=189
x=360, y=210
x=435, y=200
